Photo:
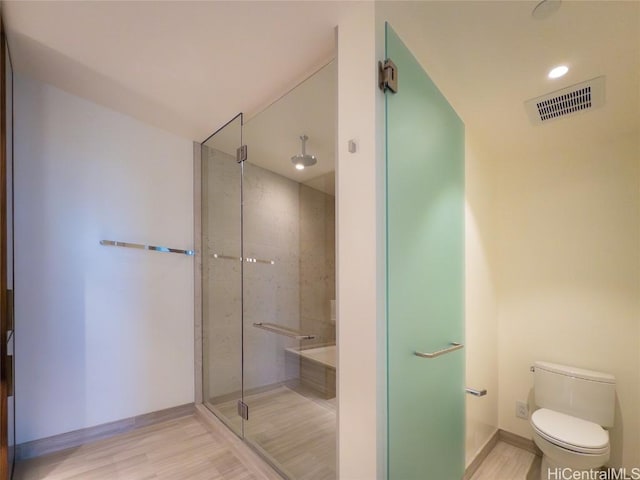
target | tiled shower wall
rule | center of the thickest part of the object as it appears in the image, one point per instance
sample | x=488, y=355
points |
x=317, y=263
x=221, y=279
x=284, y=221
x=271, y=292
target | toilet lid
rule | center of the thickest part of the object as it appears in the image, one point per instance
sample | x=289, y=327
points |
x=570, y=432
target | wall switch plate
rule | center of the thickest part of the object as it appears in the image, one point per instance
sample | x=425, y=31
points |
x=522, y=410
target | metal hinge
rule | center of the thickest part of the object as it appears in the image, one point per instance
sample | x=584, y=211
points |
x=243, y=410
x=241, y=154
x=388, y=76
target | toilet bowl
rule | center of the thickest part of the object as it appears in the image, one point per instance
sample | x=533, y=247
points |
x=569, y=442
x=568, y=429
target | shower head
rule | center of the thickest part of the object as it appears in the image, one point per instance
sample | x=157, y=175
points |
x=303, y=159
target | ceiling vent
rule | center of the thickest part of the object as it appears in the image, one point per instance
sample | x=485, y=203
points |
x=568, y=101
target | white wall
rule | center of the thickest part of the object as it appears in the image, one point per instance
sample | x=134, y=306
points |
x=568, y=225
x=360, y=318
x=481, y=318
x=102, y=333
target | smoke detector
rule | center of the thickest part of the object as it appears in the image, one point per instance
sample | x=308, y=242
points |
x=568, y=101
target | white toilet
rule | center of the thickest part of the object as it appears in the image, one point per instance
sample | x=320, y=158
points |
x=575, y=405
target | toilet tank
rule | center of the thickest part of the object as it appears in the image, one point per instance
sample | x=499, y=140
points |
x=581, y=393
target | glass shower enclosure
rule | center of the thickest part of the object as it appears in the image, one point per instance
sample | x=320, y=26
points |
x=268, y=280
x=222, y=268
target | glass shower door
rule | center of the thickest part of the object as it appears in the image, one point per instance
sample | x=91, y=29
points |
x=289, y=283
x=289, y=397
x=271, y=313
x=268, y=282
x=222, y=273
x=425, y=296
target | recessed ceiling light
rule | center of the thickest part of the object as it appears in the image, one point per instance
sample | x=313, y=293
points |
x=558, y=71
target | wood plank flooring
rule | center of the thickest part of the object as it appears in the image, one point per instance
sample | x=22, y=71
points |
x=181, y=449
x=296, y=431
x=507, y=462
x=191, y=448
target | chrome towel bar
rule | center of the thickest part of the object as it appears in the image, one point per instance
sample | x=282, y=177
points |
x=476, y=393
x=280, y=330
x=454, y=346
x=246, y=259
x=113, y=243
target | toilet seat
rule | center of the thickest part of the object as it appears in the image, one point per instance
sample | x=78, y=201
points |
x=569, y=432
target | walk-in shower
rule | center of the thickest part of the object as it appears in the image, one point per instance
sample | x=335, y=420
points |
x=268, y=280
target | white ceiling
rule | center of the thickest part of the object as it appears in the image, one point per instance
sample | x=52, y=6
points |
x=489, y=57
x=188, y=67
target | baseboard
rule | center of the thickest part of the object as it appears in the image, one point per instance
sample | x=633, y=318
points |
x=44, y=446
x=518, y=441
x=481, y=455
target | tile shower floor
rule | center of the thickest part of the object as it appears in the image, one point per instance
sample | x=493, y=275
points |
x=293, y=427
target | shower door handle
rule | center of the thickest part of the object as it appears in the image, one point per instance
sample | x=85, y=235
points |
x=454, y=346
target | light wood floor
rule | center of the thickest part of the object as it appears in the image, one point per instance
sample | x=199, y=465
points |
x=184, y=449
x=294, y=428
x=191, y=448
x=506, y=462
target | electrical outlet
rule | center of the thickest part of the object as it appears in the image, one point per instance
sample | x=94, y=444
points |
x=522, y=410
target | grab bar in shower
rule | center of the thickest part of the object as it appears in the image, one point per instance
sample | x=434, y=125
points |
x=280, y=330
x=454, y=346
x=246, y=259
x=113, y=243
x=475, y=392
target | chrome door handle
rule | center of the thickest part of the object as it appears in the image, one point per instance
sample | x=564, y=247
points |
x=454, y=346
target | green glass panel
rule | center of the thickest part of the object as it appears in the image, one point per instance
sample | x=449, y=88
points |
x=425, y=255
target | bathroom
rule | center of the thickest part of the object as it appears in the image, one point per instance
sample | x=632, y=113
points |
x=551, y=226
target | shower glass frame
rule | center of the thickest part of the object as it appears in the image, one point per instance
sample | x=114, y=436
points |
x=257, y=316
x=223, y=267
